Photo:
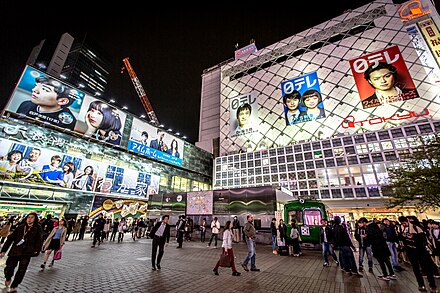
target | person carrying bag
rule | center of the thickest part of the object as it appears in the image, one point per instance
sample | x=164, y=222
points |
x=227, y=257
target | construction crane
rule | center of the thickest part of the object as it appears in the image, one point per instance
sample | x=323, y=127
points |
x=140, y=91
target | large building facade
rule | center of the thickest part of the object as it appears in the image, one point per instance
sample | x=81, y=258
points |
x=346, y=131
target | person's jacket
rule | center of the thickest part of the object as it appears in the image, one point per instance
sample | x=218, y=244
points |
x=166, y=232
x=5, y=230
x=273, y=228
x=249, y=230
x=378, y=242
x=52, y=233
x=283, y=231
x=363, y=242
x=236, y=224
x=328, y=233
x=98, y=225
x=33, y=241
x=391, y=233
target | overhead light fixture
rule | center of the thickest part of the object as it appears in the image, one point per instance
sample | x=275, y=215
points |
x=125, y=108
x=142, y=116
x=112, y=101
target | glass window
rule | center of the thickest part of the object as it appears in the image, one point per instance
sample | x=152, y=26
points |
x=377, y=157
x=322, y=178
x=307, y=147
x=310, y=165
x=273, y=169
x=373, y=191
x=281, y=159
x=319, y=164
x=414, y=141
x=333, y=177
x=308, y=156
x=316, y=145
x=410, y=130
x=282, y=168
x=274, y=178
x=390, y=156
x=257, y=171
x=311, y=174
x=303, y=185
x=347, y=140
x=317, y=154
x=336, y=193
x=361, y=149
x=325, y=194
x=300, y=166
x=350, y=150
x=250, y=156
x=359, y=138
x=289, y=158
x=265, y=170
x=299, y=157
x=360, y=192
x=341, y=161
x=356, y=174
x=352, y=160
x=387, y=145
x=425, y=128
x=243, y=181
x=291, y=167
x=251, y=172
x=364, y=159
x=280, y=151
x=243, y=173
x=265, y=162
x=257, y=163
x=258, y=180
x=243, y=165
x=301, y=175
x=348, y=193
x=312, y=217
x=297, y=148
x=338, y=152
x=313, y=184
x=384, y=135
x=371, y=136
x=374, y=147
x=326, y=144
x=336, y=142
x=330, y=162
x=273, y=161
x=328, y=153
x=397, y=132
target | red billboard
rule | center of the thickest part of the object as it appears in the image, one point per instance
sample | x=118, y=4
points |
x=382, y=78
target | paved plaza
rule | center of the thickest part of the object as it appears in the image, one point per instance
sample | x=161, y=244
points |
x=126, y=267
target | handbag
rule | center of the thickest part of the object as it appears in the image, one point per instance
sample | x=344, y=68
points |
x=225, y=260
x=57, y=254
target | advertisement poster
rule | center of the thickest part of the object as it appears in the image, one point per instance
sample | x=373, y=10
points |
x=199, y=203
x=156, y=143
x=101, y=121
x=243, y=117
x=119, y=207
x=302, y=99
x=382, y=78
x=46, y=99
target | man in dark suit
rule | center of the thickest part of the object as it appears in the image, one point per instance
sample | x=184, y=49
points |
x=180, y=230
x=158, y=142
x=160, y=235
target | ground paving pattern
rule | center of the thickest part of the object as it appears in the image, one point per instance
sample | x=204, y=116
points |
x=126, y=267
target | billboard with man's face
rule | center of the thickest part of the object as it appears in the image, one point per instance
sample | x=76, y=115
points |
x=243, y=117
x=382, y=78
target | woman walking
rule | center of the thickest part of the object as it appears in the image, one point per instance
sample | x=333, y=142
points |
x=121, y=229
x=54, y=242
x=227, y=249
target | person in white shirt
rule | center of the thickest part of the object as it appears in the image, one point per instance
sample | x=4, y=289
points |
x=215, y=229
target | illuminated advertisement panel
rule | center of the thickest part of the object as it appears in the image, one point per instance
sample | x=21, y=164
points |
x=431, y=34
x=382, y=78
x=243, y=117
x=34, y=165
x=199, y=203
x=100, y=121
x=119, y=207
x=44, y=98
x=156, y=143
x=302, y=99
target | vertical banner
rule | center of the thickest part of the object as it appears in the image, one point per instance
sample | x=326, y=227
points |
x=382, y=78
x=302, y=99
x=432, y=37
x=243, y=117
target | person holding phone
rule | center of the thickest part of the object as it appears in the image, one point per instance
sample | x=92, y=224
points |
x=360, y=235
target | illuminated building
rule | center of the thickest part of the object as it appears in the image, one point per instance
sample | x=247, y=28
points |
x=339, y=154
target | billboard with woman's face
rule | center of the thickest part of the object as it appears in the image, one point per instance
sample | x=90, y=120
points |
x=154, y=142
x=302, y=99
x=382, y=78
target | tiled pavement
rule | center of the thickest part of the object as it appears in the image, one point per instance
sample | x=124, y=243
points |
x=126, y=267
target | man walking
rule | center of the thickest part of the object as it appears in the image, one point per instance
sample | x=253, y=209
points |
x=327, y=242
x=250, y=233
x=161, y=237
x=180, y=230
x=98, y=226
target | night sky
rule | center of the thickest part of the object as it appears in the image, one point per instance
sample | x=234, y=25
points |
x=168, y=48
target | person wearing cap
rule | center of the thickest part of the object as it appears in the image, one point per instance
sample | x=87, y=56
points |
x=346, y=247
x=414, y=238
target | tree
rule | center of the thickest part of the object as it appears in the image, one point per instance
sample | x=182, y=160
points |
x=416, y=180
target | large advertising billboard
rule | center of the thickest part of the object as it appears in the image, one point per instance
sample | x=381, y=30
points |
x=243, y=117
x=47, y=99
x=119, y=207
x=382, y=78
x=302, y=99
x=199, y=203
x=155, y=143
x=37, y=165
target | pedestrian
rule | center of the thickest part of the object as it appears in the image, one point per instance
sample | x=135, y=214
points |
x=180, y=230
x=122, y=227
x=236, y=229
x=274, y=233
x=47, y=226
x=282, y=229
x=250, y=233
x=97, y=228
x=326, y=239
x=380, y=250
x=360, y=234
x=161, y=237
x=227, y=249
x=413, y=238
x=82, y=230
x=346, y=247
x=106, y=230
x=392, y=238
x=203, y=230
x=215, y=229
x=24, y=242
x=70, y=225
x=54, y=242
x=295, y=241
x=76, y=229
x=114, y=230
x=6, y=229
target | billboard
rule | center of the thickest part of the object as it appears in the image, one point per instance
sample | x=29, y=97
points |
x=302, y=99
x=243, y=117
x=156, y=143
x=37, y=165
x=120, y=207
x=382, y=78
x=199, y=203
x=47, y=99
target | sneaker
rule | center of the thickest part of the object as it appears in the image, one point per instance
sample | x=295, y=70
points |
x=207, y=245
x=392, y=277
x=385, y=278
x=370, y=270
x=42, y=266
x=93, y=246
x=51, y=263
x=153, y=268
x=236, y=273
x=215, y=272
x=245, y=267
x=158, y=266
x=337, y=263
x=325, y=264
x=275, y=252
x=255, y=270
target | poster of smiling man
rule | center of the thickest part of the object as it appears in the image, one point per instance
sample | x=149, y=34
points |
x=243, y=117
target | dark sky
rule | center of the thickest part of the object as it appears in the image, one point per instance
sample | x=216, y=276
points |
x=168, y=48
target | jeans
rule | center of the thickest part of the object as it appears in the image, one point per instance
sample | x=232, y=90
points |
x=394, y=256
x=327, y=248
x=251, y=253
x=274, y=242
x=215, y=237
x=362, y=251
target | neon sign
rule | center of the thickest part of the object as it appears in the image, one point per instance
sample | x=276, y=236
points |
x=350, y=121
x=412, y=9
